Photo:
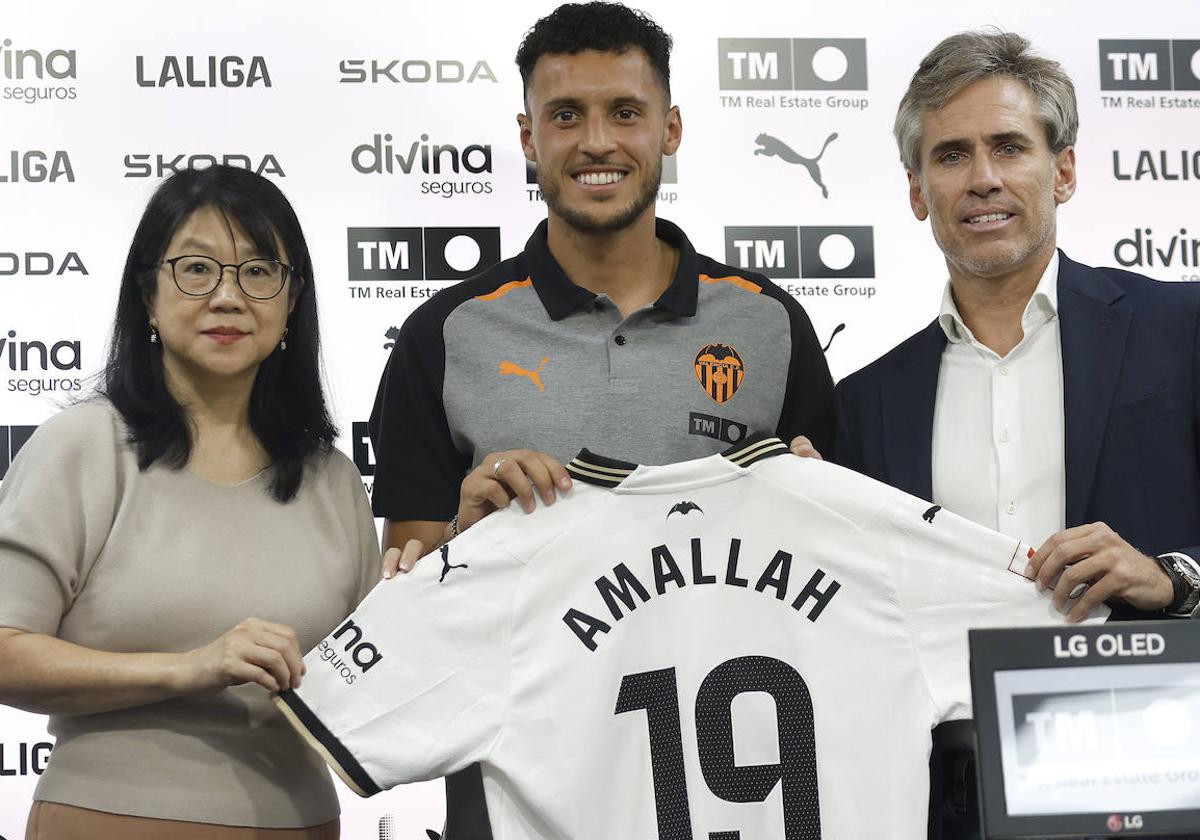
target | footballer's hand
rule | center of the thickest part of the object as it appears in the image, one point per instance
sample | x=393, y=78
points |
x=1096, y=556
x=803, y=447
x=503, y=476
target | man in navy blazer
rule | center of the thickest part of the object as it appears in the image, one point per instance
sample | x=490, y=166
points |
x=1049, y=400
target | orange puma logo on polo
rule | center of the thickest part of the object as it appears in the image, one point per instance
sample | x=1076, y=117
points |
x=514, y=369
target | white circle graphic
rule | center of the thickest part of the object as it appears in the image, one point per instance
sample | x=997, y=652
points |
x=1196, y=64
x=830, y=64
x=462, y=253
x=836, y=251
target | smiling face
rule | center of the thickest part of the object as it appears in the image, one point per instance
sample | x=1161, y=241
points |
x=598, y=126
x=224, y=335
x=989, y=182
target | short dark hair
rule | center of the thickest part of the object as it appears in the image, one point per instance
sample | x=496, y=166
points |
x=605, y=27
x=288, y=413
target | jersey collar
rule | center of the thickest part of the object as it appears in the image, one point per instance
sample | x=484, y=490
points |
x=561, y=297
x=601, y=470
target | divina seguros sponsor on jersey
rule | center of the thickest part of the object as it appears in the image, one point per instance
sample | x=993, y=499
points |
x=202, y=71
x=1141, y=68
x=414, y=71
x=34, y=365
x=666, y=195
x=36, y=167
x=40, y=264
x=347, y=652
x=827, y=253
x=1172, y=252
x=32, y=76
x=12, y=438
x=433, y=254
x=818, y=73
x=450, y=170
x=163, y=165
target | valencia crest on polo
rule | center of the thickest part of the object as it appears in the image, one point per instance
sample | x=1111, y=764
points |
x=720, y=371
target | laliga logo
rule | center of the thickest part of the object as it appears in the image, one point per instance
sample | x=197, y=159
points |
x=1118, y=823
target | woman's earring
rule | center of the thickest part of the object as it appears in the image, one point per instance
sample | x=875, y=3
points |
x=153, y=335
x=283, y=339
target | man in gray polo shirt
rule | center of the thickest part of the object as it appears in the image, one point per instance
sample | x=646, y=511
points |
x=608, y=331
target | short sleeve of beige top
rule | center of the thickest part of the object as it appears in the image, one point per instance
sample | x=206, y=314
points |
x=98, y=553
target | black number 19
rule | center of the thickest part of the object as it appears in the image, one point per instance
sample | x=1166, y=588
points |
x=658, y=694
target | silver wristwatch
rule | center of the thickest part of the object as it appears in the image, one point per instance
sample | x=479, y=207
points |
x=1187, y=570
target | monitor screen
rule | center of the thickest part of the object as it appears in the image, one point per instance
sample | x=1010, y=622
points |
x=1115, y=738
x=1088, y=731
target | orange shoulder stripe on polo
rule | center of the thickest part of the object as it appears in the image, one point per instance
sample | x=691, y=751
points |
x=505, y=289
x=740, y=282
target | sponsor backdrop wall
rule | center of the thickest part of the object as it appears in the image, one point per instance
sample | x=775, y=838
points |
x=391, y=128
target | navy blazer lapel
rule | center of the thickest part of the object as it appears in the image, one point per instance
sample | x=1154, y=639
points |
x=1094, y=327
x=909, y=393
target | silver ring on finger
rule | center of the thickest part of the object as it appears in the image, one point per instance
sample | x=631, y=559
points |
x=496, y=467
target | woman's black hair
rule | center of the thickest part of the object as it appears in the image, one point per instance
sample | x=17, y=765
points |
x=287, y=404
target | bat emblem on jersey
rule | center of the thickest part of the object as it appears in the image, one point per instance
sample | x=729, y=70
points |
x=932, y=512
x=447, y=565
x=684, y=508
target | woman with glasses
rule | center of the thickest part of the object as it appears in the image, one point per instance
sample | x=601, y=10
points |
x=169, y=548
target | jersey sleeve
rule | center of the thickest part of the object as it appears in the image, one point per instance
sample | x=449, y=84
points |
x=414, y=684
x=57, y=506
x=418, y=469
x=953, y=575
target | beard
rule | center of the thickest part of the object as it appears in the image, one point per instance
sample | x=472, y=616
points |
x=1007, y=259
x=584, y=222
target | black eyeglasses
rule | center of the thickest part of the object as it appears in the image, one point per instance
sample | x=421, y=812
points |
x=197, y=275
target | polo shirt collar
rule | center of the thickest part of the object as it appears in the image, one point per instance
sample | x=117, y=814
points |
x=561, y=297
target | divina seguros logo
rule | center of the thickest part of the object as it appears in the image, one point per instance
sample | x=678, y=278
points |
x=1168, y=250
x=47, y=357
x=34, y=73
x=384, y=155
x=415, y=71
x=211, y=71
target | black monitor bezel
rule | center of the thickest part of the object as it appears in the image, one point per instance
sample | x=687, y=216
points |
x=1010, y=649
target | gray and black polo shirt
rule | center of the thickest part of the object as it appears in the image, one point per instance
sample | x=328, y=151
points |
x=521, y=357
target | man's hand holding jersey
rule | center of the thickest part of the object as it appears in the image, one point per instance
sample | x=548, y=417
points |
x=1097, y=556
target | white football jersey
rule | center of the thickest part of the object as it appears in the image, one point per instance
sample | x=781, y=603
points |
x=742, y=646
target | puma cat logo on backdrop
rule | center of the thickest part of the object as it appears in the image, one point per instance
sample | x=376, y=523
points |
x=513, y=369
x=932, y=512
x=773, y=146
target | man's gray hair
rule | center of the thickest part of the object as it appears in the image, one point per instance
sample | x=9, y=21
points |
x=968, y=57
